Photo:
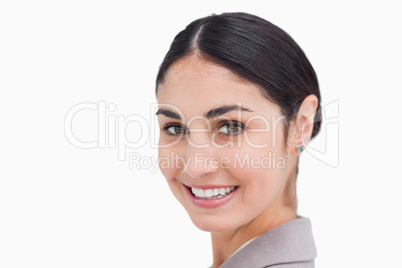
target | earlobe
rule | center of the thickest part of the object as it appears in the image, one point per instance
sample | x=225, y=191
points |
x=299, y=148
x=303, y=124
x=295, y=139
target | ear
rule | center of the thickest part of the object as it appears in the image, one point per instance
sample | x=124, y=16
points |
x=301, y=127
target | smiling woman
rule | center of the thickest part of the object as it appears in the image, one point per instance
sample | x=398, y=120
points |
x=236, y=93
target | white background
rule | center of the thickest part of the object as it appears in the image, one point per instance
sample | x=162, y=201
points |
x=62, y=206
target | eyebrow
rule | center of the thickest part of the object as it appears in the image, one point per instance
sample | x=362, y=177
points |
x=215, y=112
x=168, y=113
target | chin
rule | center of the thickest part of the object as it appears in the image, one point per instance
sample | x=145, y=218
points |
x=212, y=223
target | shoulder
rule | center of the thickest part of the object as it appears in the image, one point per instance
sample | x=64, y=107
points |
x=289, y=245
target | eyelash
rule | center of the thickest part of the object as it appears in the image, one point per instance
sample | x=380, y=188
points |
x=169, y=125
x=228, y=123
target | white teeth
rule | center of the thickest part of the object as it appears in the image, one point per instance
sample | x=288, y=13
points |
x=200, y=193
x=215, y=191
x=208, y=193
x=222, y=191
x=212, y=193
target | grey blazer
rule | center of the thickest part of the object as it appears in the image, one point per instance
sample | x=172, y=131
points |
x=289, y=245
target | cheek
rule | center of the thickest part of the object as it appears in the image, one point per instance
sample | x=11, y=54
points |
x=169, y=163
x=272, y=140
x=170, y=168
x=261, y=171
x=259, y=154
x=259, y=167
x=262, y=184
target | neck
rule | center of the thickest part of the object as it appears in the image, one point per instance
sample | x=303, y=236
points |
x=226, y=243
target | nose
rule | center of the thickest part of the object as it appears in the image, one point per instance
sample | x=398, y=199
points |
x=200, y=156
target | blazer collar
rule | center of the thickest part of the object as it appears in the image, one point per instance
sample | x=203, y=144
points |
x=289, y=242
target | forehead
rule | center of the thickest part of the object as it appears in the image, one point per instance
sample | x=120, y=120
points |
x=194, y=86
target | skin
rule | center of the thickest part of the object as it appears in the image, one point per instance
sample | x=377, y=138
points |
x=192, y=87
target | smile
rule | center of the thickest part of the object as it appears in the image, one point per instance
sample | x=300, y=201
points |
x=210, y=196
x=212, y=193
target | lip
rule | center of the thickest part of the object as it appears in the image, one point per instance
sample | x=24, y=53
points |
x=208, y=186
x=209, y=203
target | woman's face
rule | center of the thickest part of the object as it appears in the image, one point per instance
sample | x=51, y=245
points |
x=222, y=147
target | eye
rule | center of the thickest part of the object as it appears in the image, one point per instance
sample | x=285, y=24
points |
x=175, y=129
x=231, y=128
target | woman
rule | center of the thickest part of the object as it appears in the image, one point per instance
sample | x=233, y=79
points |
x=237, y=102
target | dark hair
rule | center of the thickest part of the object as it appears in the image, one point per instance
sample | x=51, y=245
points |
x=255, y=50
